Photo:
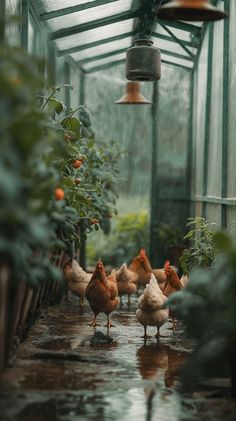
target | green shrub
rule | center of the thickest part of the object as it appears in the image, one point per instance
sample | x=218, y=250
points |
x=202, y=248
x=207, y=307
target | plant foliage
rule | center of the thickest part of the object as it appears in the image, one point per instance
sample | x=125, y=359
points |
x=207, y=307
x=129, y=233
x=39, y=147
x=202, y=248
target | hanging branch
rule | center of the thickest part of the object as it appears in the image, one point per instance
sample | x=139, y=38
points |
x=53, y=92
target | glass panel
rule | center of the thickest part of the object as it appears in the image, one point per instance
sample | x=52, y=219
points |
x=179, y=33
x=231, y=215
x=199, y=113
x=95, y=34
x=213, y=215
x=104, y=48
x=12, y=29
x=170, y=46
x=89, y=15
x=104, y=61
x=51, y=5
x=232, y=119
x=175, y=60
x=215, y=145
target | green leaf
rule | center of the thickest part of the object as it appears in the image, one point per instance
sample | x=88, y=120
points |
x=85, y=116
x=55, y=105
x=72, y=124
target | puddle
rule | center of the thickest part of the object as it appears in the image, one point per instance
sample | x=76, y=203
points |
x=66, y=370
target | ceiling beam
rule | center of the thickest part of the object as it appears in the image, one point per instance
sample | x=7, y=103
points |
x=123, y=50
x=122, y=61
x=102, y=56
x=176, y=65
x=104, y=66
x=73, y=9
x=168, y=38
x=177, y=40
x=82, y=47
x=189, y=27
x=77, y=29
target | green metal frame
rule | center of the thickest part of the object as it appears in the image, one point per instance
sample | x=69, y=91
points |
x=190, y=162
x=67, y=81
x=123, y=50
x=73, y=9
x=141, y=12
x=207, y=115
x=171, y=39
x=77, y=29
x=154, y=140
x=177, y=40
x=95, y=43
x=2, y=13
x=122, y=61
x=225, y=119
x=24, y=23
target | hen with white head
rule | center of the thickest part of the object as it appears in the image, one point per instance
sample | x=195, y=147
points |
x=151, y=311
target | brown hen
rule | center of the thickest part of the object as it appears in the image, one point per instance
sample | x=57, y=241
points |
x=173, y=284
x=102, y=293
x=142, y=267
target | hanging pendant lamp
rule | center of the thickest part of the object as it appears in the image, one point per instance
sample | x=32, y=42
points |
x=190, y=10
x=143, y=61
x=133, y=95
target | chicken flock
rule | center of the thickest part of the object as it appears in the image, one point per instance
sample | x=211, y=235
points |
x=104, y=293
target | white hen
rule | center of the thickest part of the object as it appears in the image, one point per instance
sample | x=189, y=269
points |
x=151, y=311
x=77, y=279
x=126, y=281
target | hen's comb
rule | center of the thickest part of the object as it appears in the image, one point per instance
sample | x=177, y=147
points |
x=99, y=264
x=142, y=252
x=167, y=264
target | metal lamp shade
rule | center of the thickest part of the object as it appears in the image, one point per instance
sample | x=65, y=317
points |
x=190, y=10
x=133, y=95
x=143, y=62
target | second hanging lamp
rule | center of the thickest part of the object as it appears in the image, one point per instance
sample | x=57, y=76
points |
x=143, y=61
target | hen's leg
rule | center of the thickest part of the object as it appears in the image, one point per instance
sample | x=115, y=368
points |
x=109, y=323
x=145, y=336
x=158, y=332
x=174, y=324
x=94, y=322
x=81, y=301
x=128, y=299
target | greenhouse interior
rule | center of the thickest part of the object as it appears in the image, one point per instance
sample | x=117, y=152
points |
x=118, y=210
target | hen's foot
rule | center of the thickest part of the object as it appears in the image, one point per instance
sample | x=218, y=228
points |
x=94, y=323
x=146, y=337
x=109, y=324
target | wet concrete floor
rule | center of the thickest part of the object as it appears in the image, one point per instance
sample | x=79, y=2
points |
x=66, y=370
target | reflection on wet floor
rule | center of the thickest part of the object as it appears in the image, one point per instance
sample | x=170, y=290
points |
x=66, y=370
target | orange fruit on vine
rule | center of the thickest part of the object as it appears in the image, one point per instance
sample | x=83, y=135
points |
x=59, y=194
x=77, y=164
